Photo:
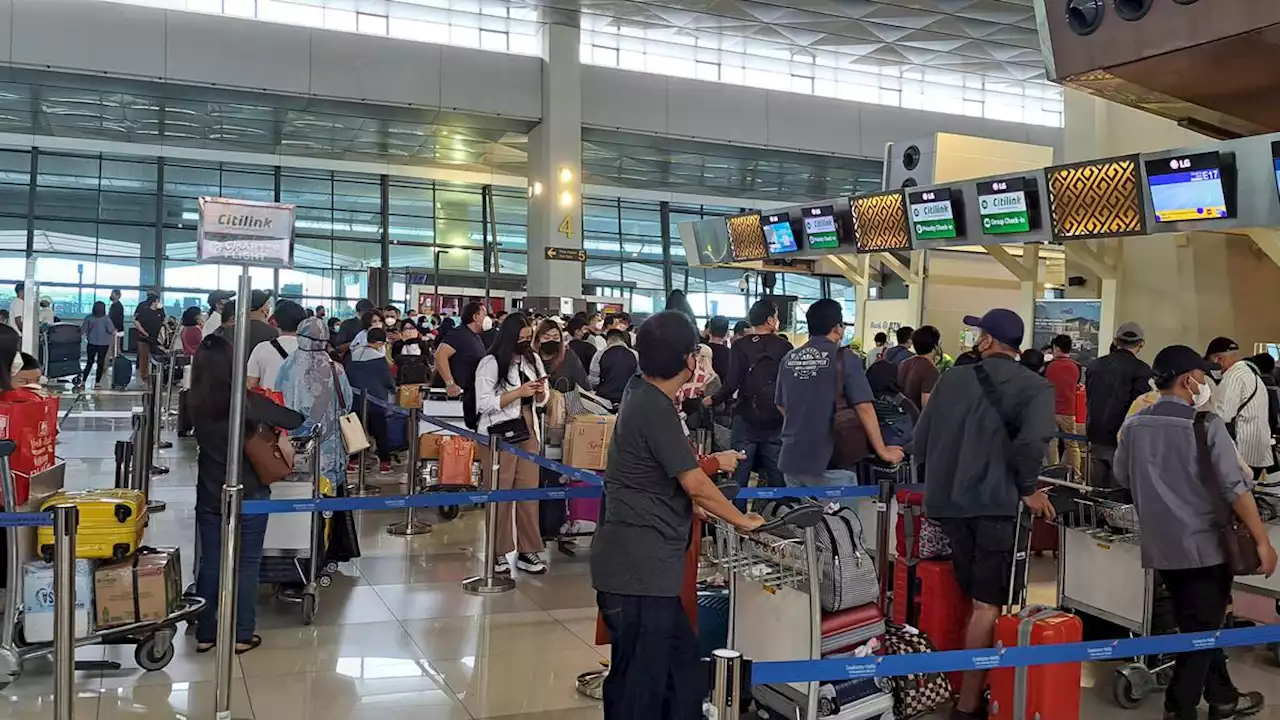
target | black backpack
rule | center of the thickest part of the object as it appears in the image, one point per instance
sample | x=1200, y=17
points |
x=757, y=393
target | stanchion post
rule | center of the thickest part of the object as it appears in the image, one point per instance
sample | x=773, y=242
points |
x=157, y=416
x=489, y=583
x=229, y=556
x=162, y=402
x=363, y=490
x=65, y=518
x=141, y=467
x=411, y=526
x=884, y=501
x=154, y=421
x=726, y=682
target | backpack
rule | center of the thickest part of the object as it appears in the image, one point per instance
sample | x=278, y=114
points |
x=758, y=391
x=897, y=419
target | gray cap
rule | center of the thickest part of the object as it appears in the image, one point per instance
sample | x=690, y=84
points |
x=1129, y=332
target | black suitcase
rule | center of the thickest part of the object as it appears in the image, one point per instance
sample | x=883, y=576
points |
x=551, y=513
x=185, y=426
x=121, y=372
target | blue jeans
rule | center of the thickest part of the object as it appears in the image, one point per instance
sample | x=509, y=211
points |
x=253, y=531
x=828, y=478
x=761, y=454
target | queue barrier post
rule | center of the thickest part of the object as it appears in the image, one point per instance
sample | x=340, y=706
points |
x=884, y=535
x=65, y=519
x=361, y=489
x=726, y=683
x=411, y=526
x=154, y=421
x=488, y=582
x=162, y=384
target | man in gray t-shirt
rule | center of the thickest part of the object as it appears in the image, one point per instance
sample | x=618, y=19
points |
x=652, y=485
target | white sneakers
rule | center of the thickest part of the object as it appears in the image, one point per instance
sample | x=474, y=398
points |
x=525, y=562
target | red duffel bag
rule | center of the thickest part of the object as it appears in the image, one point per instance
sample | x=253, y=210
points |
x=30, y=420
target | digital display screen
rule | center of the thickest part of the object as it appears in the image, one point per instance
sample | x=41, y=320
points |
x=1004, y=207
x=932, y=216
x=778, y=234
x=1275, y=161
x=1187, y=188
x=820, y=227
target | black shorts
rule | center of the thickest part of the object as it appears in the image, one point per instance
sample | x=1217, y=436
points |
x=982, y=550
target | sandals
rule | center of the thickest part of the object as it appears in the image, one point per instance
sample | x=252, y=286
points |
x=241, y=648
x=254, y=642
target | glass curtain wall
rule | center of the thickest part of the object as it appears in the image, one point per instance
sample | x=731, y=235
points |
x=94, y=223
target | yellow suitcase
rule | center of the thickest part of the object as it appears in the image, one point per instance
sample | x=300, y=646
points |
x=111, y=523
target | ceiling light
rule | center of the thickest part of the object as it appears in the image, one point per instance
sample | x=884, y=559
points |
x=566, y=175
x=537, y=188
x=566, y=199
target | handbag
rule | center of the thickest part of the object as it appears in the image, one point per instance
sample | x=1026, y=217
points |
x=918, y=694
x=513, y=431
x=1238, y=546
x=850, y=445
x=354, y=438
x=270, y=454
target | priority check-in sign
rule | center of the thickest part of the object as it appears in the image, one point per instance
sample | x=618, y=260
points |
x=244, y=232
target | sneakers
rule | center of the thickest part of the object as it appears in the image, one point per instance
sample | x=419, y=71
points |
x=530, y=563
x=1249, y=703
x=384, y=468
x=502, y=567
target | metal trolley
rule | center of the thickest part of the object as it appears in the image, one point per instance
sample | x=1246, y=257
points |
x=1098, y=538
x=294, y=550
x=1266, y=587
x=775, y=610
x=153, y=640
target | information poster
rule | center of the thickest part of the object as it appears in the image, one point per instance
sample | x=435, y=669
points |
x=933, y=216
x=242, y=232
x=1080, y=320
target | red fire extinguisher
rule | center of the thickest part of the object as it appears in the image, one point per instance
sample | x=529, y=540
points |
x=1082, y=407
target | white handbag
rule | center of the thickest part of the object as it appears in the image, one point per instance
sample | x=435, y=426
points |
x=354, y=438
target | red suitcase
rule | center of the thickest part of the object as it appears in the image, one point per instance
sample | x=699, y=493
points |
x=1044, y=692
x=926, y=597
x=1044, y=537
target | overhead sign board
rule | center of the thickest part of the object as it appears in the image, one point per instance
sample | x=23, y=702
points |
x=1096, y=199
x=933, y=215
x=1004, y=207
x=243, y=232
x=559, y=253
x=880, y=222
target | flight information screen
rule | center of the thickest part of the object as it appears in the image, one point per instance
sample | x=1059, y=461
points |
x=1189, y=187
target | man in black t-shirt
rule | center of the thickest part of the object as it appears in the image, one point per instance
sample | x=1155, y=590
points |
x=717, y=340
x=652, y=484
x=148, y=320
x=756, y=429
x=459, y=354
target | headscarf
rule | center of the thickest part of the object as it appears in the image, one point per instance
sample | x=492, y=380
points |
x=306, y=379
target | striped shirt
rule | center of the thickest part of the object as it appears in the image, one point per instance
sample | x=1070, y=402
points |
x=1242, y=397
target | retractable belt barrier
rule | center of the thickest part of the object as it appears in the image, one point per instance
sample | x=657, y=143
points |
x=989, y=659
x=25, y=519
x=594, y=480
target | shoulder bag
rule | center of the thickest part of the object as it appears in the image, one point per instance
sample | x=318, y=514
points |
x=1233, y=426
x=850, y=445
x=1238, y=546
x=515, y=430
x=354, y=438
x=270, y=454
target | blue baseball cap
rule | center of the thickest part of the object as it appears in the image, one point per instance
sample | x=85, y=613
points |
x=1002, y=324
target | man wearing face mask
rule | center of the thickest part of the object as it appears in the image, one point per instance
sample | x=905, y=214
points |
x=459, y=354
x=1174, y=487
x=1241, y=401
x=1111, y=384
x=982, y=438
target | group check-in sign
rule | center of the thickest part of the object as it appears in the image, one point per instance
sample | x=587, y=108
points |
x=244, y=232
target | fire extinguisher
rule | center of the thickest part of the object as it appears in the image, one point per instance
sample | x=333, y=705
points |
x=1082, y=406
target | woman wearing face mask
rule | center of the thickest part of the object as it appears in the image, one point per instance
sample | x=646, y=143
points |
x=368, y=321
x=564, y=369
x=410, y=355
x=510, y=381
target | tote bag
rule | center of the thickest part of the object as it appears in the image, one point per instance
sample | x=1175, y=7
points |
x=354, y=438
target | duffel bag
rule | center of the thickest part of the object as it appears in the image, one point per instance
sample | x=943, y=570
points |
x=920, y=694
x=848, y=573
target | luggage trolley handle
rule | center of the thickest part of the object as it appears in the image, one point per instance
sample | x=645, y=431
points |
x=1025, y=557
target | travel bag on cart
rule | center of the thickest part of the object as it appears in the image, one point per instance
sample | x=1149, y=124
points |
x=111, y=523
x=919, y=694
x=1046, y=692
x=457, y=459
x=918, y=537
x=836, y=697
x=848, y=574
x=844, y=631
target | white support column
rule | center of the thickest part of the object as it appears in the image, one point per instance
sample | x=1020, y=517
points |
x=1080, y=251
x=555, y=173
x=1029, y=287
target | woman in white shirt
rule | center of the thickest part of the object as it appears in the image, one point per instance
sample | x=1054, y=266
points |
x=507, y=407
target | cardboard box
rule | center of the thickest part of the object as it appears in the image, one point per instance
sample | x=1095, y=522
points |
x=429, y=446
x=143, y=588
x=586, y=441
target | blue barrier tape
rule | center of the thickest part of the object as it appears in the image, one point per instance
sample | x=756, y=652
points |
x=429, y=499
x=25, y=519
x=960, y=660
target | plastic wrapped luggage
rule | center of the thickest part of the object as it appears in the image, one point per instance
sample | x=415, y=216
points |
x=845, y=630
x=111, y=523
x=926, y=596
x=836, y=697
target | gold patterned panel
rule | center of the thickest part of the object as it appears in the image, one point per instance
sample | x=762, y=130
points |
x=880, y=222
x=1101, y=198
x=746, y=237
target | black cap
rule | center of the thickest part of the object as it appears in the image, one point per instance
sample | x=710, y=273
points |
x=1220, y=345
x=218, y=296
x=1178, y=360
x=1001, y=324
x=258, y=298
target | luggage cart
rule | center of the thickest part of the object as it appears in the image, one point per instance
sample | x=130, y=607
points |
x=1099, y=538
x=294, y=550
x=1266, y=587
x=153, y=640
x=775, y=611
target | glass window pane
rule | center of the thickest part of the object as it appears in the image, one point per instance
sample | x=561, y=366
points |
x=406, y=228
x=408, y=197
x=458, y=205
x=513, y=263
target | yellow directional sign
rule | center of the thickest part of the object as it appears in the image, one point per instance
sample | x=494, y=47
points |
x=574, y=254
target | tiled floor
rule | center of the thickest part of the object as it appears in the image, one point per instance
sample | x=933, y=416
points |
x=395, y=636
